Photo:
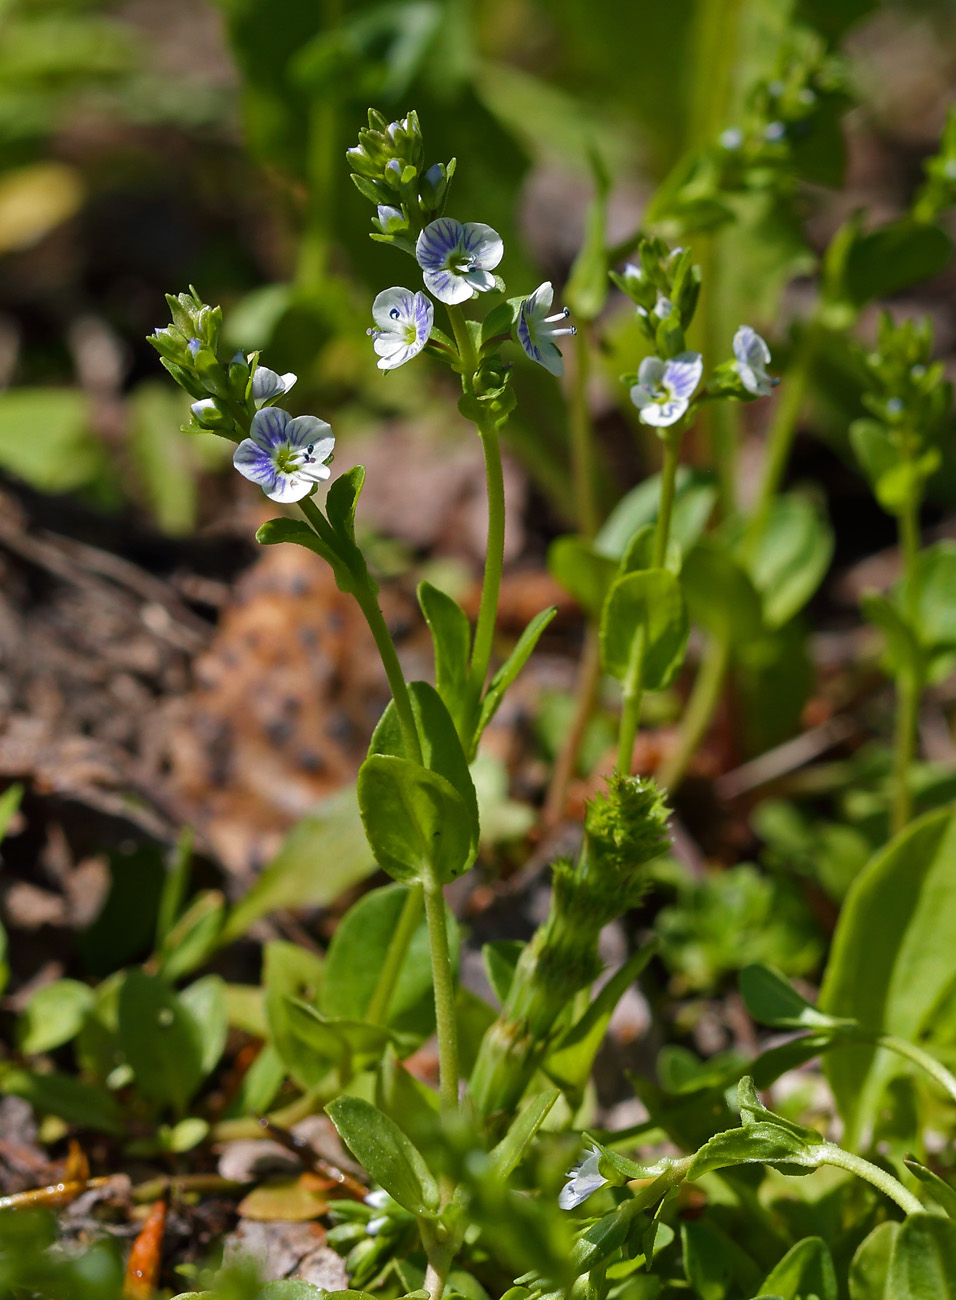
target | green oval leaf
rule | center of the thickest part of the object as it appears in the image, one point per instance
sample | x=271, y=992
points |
x=649, y=606
x=417, y=823
x=892, y=958
x=389, y=1156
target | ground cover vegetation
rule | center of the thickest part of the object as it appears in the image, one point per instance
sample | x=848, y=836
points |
x=478, y=674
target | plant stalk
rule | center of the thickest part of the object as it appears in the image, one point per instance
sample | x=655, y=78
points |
x=377, y=1011
x=443, y=980
x=494, y=564
x=700, y=709
x=830, y=1154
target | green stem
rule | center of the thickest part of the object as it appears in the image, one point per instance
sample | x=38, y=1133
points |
x=633, y=687
x=701, y=707
x=908, y=686
x=904, y=750
x=830, y=1154
x=377, y=1011
x=322, y=173
x=662, y=531
x=586, y=692
x=783, y=428
x=582, y=436
x=466, y=349
x=368, y=603
x=440, y=1255
x=935, y=1069
x=494, y=564
x=443, y=980
x=631, y=709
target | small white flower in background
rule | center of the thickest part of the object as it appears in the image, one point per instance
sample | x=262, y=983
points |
x=267, y=385
x=536, y=330
x=731, y=139
x=583, y=1180
x=664, y=388
x=457, y=258
x=377, y=1200
x=284, y=455
x=404, y=320
x=752, y=356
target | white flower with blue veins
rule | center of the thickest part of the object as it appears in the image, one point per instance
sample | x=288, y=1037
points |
x=583, y=1180
x=752, y=356
x=404, y=321
x=664, y=388
x=267, y=386
x=536, y=330
x=457, y=258
x=285, y=456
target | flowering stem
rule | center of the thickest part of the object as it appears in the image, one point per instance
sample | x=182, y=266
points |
x=633, y=686
x=582, y=435
x=830, y=1154
x=377, y=1011
x=631, y=710
x=466, y=349
x=665, y=512
x=935, y=1069
x=443, y=980
x=586, y=691
x=781, y=434
x=494, y=563
x=700, y=709
x=369, y=606
x=907, y=683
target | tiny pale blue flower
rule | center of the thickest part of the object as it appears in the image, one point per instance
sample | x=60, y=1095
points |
x=457, y=258
x=752, y=356
x=731, y=139
x=285, y=456
x=267, y=386
x=536, y=329
x=774, y=131
x=390, y=218
x=664, y=388
x=583, y=1180
x=404, y=320
x=194, y=345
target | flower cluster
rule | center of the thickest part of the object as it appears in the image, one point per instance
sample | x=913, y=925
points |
x=387, y=168
x=236, y=399
x=458, y=261
x=665, y=285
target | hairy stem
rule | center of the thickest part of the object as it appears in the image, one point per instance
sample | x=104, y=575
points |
x=377, y=1011
x=783, y=428
x=494, y=563
x=700, y=709
x=884, y=1182
x=908, y=687
x=443, y=980
x=662, y=531
x=368, y=603
x=935, y=1069
x=585, y=692
x=582, y=436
